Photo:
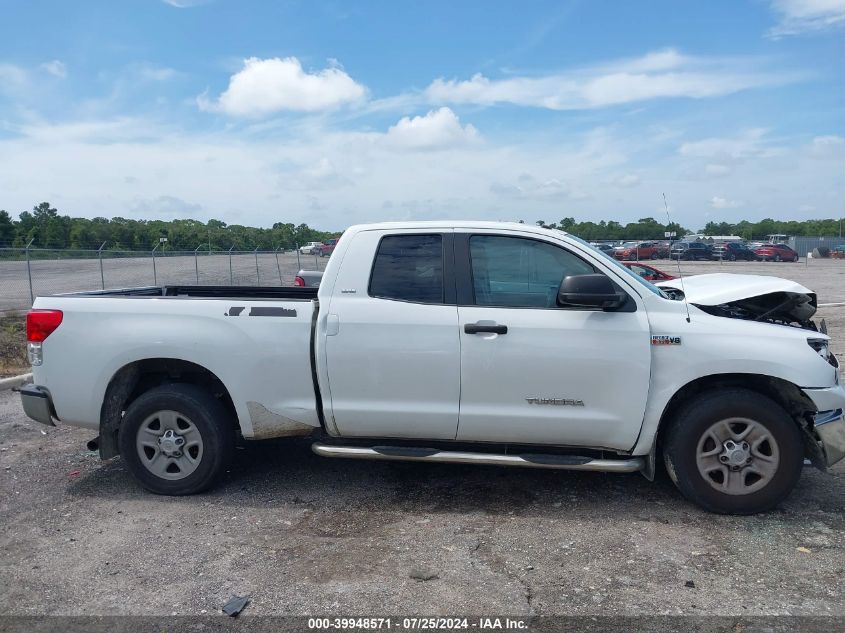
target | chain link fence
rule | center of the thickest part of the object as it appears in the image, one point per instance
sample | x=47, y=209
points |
x=29, y=273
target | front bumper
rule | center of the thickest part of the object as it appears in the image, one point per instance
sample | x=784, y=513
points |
x=37, y=404
x=829, y=421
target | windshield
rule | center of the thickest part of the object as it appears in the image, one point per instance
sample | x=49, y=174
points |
x=650, y=286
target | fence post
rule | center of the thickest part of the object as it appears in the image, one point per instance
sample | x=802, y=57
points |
x=100, y=256
x=29, y=273
x=196, y=262
x=231, y=276
x=298, y=264
x=279, y=268
x=316, y=262
x=155, y=277
x=257, y=273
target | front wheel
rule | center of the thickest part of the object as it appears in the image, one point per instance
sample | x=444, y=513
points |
x=176, y=439
x=777, y=258
x=733, y=451
x=654, y=256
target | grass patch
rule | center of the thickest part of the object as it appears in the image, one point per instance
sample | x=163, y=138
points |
x=13, y=346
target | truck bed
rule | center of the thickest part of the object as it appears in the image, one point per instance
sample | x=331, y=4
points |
x=286, y=293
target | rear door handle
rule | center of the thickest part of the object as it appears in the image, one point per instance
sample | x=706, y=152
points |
x=477, y=328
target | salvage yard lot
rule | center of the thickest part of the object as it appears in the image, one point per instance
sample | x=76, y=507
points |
x=301, y=534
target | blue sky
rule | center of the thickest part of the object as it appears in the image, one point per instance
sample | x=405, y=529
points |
x=334, y=113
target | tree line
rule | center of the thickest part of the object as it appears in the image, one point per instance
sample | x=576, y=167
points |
x=651, y=229
x=48, y=229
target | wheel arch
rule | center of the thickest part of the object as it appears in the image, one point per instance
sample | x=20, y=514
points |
x=788, y=395
x=137, y=377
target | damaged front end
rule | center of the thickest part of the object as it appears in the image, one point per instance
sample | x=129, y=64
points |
x=782, y=308
x=748, y=297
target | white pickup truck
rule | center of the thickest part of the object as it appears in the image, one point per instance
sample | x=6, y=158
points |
x=470, y=342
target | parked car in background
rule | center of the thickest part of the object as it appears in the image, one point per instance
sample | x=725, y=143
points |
x=838, y=252
x=326, y=248
x=663, y=248
x=636, y=251
x=649, y=273
x=308, y=278
x=733, y=251
x=308, y=249
x=691, y=251
x=776, y=253
x=607, y=249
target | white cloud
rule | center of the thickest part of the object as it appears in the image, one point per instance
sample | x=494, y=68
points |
x=149, y=72
x=747, y=144
x=827, y=146
x=170, y=206
x=55, y=68
x=185, y=4
x=11, y=77
x=718, y=202
x=265, y=86
x=438, y=129
x=627, y=181
x=716, y=170
x=660, y=74
x=803, y=16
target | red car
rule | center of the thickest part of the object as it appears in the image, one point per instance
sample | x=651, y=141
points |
x=634, y=251
x=326, y=248
x=649, y=273
x=776, y=253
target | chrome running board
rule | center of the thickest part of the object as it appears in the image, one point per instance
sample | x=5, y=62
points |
x=525, y=460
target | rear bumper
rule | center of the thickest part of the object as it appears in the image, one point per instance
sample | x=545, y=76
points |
x=829, y=421
x=37, y=404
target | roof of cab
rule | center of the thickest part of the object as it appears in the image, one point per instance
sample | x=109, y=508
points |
x=452, y=224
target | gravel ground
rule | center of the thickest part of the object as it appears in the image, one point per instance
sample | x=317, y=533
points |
x=305, y=535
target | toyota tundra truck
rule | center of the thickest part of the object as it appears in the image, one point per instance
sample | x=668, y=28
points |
x=468, y=342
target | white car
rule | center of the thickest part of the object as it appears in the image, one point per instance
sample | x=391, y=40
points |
x=308, y=249
x=468, y=342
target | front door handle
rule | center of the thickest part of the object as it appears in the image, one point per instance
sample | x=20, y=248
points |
x=478, y=328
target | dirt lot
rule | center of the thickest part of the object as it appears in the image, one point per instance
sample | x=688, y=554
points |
x=305, y=535
x=12, y=346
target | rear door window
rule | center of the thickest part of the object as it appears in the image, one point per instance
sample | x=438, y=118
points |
x=409, y=268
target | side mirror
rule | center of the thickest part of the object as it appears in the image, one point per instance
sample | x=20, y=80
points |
x=589, y=291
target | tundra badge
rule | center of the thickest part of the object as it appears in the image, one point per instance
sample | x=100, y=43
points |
x=560, y=402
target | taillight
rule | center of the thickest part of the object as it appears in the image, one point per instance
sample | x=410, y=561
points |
x=298, y=281
x=41, y=323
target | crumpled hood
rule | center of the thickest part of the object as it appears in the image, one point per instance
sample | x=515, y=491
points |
x=751, y=297
x=718, y=288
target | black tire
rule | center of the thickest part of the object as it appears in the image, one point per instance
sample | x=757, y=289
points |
x=205, y=412
x=681, y=443
x=777, y=257
x=654, y=256
x=732, y=257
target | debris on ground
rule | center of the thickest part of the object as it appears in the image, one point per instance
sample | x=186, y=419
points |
x=804, y=550
x=235, y=605
x=690, y=584
x=419, y=573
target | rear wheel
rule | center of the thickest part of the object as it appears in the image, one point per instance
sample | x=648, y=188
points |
x=732, y=257
x=654, y=256
x=777, y=257
x=733, y=451
x=176, y=439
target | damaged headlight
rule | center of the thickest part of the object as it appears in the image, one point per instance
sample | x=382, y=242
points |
x=822, y=347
